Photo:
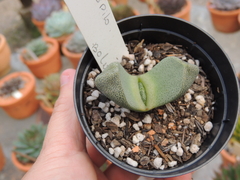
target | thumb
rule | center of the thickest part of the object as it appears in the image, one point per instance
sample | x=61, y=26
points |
x=64, y=129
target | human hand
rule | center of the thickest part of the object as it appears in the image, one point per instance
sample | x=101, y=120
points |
x=66, y=154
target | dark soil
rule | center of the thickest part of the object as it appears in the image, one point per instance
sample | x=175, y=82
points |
x=170, y=134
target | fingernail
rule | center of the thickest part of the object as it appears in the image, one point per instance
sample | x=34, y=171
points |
x=64, y=80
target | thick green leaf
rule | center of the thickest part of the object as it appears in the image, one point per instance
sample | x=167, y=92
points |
x=166, y=82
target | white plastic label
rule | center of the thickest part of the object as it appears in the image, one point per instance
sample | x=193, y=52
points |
x=99, y=28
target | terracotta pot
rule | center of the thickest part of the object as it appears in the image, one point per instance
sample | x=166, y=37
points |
x=48, y=63
x=73, y=57
x=227, y=158
x=2, y=158
x=39, y=24
x=26, y=105
x=5, y=54
x=60, y=39
x=224, y=21
x=19, y=165
x=183, y=14
x=45, y=108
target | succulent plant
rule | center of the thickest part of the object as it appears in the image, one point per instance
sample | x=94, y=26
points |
x=29, y=143
x=170, y=6
x=43, y=9
x=50, y=90
x=59, y=23
x=225, y=4
x=229, y=173
x=10, y=86
x=167, y=81
x=121, y=11
x=76, y=43
x=34, y=49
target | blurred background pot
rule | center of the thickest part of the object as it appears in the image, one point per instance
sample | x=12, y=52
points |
x=215, y=64
x=73, y=47
x=19, y=165
x=224, y=21
x=5, y=54
x=27, y=104
x=184, y=13
x=42, y=9
x=47, y=63
x=49, y=92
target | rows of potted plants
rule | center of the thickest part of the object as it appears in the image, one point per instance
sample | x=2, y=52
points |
x=225, y=15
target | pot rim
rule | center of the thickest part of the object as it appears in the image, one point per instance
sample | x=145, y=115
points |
x=37, y=22
x=222, y=12
x=184, y=10
x=9, y=101
x=18, y=164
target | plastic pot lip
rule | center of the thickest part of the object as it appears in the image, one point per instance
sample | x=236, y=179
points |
x=29, y=86
x=222, y=12
x=189, y=166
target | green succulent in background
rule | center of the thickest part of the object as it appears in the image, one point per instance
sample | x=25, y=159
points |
x=229, y=173
x=59, y=23
x=166, y=82
x=76, y=43
x=121, y=11
x=34, y=49
x=29, y=143
x=50, y=90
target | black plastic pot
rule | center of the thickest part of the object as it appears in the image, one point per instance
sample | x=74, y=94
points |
x=161, y=29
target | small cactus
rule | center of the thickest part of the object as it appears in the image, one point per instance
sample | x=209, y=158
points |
x=76, y=43
x=34, y=49
x=50, y=90
x=43, y=9
x=59, y=23
x=167, y=81
x=225, y=4
x=121, y=11
x=29, y=143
